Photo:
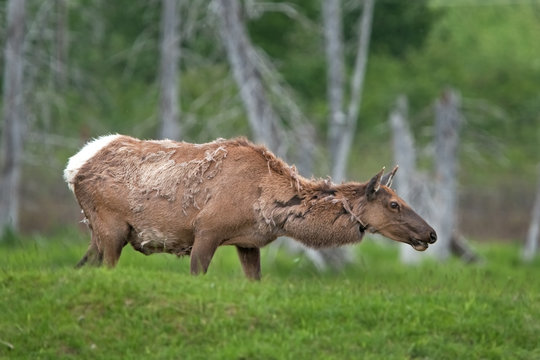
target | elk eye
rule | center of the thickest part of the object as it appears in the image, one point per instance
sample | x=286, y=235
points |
x=394, y=205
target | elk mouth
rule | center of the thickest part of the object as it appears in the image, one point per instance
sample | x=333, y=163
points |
x=418, y=245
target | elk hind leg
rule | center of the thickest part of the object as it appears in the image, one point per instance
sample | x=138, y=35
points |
x=109, y=236
x=250, y=258
x=93, y=255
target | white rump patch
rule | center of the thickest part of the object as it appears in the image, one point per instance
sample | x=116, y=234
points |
x=86, y=153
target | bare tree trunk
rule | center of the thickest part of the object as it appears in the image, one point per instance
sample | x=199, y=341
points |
x=404, y=150
x=13, y=114
x=447, y=125
x=417, y=189
x=333, y=37
x=533, y=235
x=405, y=157
x=168, y=74
x=262, y=118
x=339, y=123
x=346, y=130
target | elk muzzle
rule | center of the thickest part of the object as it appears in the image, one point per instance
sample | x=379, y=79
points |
x=423, y=244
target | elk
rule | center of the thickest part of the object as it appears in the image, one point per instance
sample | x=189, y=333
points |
x=189, y=199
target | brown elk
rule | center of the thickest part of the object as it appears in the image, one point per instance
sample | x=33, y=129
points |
x=188, y=199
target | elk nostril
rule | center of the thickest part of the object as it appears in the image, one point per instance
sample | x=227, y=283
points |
x=433, y=237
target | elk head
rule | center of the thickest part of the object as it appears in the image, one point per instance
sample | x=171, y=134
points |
x=386, y=213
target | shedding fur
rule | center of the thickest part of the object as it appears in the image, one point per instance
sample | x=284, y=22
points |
x=158, y=173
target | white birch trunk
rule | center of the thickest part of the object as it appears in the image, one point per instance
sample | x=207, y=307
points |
x=419, y=190
x=168, y=74
x=404, y=150
x=342, y=127
x=346, y=130
x=13, y=116
x=333, y=37
x=405, y=157
x=262, y=118
x=531, y=245
x=447, y=125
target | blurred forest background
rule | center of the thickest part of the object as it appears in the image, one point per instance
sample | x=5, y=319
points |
x=92, y=67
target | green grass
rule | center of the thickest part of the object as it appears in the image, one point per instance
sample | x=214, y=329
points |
x=150, y=307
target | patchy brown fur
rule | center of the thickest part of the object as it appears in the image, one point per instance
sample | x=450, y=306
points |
x=188, y=199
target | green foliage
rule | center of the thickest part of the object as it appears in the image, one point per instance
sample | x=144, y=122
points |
x=298, y=49
x=149, y=307
x=295, y=44
x=398, y=26
x=117, y=38
x=488, y=54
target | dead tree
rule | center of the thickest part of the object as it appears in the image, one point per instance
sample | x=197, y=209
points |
x=13, y=115
x=406, y=179
x=168, y=71
x=333, y=36
x=404, y=149
x=262, y=118
x=418, y=189
x=343, y=125
x=448, y=121
x=533, y=235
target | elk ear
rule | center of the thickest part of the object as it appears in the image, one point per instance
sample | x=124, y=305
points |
x=387, y=179
x=374, y=185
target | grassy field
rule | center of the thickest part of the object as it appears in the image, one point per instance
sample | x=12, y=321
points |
x=149, y=307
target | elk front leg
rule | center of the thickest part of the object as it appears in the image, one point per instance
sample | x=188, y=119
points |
x=201, y=254
x=250, y=258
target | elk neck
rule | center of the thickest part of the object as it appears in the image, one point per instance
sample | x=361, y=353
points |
x=322, y=214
